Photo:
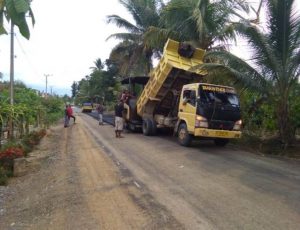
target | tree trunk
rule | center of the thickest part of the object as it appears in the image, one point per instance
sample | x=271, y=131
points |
x=22, y=127
x=27, y=127
x=0, y=134
x=286, y=129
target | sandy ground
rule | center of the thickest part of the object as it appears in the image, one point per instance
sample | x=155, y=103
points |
x=77, y=187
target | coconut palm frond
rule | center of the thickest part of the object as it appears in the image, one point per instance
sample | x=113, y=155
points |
x=234, y=6
x=240, y=78
x=133, y=7
x=294, y=67
x=146, y=14
x=229, y=60
x=122, y=23
x=124, y=37
x=156, y=37
x=262, y=53
x=99, y=65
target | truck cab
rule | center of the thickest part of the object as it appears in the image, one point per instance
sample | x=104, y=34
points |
x=210, y=112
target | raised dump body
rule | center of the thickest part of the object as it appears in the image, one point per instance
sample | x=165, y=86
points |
x=172, y=72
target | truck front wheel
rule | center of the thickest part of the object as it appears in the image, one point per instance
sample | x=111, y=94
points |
x=184, y=138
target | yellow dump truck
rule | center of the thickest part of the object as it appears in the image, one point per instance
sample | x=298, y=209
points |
x=87, y=107
x=175, y=97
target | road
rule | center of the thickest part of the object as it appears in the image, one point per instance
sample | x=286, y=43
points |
x=91, y=180
x=205, y=187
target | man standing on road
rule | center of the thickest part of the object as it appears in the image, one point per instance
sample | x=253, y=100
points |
x=100, y=109
x=119, y=108
x=66, y=119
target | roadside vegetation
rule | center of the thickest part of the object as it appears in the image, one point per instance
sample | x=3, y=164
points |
x=31, y=115
x=268, y=83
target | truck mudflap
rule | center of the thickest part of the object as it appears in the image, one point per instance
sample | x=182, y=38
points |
x=215, y=133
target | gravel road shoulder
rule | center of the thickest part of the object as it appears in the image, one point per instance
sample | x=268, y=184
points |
x=78, y=187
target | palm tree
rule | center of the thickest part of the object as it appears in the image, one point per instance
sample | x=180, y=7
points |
x=134, y=45
x=203, y=23
x=99, y=65
x=275, y=67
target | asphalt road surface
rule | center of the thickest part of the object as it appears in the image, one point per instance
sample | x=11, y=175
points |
x=205, y=187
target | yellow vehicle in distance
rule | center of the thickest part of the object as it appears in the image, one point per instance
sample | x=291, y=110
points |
x=87, y=107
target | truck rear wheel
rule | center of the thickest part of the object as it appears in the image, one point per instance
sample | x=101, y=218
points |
x=147, y=127
x=221, y=142
x=153, y=127
x=184, y=138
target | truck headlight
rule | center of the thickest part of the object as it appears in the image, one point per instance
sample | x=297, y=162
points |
x=237, y=125
x=201, y=122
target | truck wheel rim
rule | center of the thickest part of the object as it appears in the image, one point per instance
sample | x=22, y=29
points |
x=182, y=134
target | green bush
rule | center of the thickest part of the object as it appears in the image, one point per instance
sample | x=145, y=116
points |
x=29, y=141
x=3, y=176
x=54, y=109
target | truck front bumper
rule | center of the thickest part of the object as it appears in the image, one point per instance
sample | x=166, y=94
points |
x=215, y=133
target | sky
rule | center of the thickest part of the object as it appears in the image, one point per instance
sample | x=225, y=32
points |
x=68, y=36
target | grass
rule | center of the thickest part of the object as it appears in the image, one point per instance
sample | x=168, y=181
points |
x=269, y=145
x=3, y=176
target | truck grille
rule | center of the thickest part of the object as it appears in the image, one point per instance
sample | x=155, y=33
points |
x=222, y=125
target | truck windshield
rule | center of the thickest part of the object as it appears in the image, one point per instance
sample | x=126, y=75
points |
x=219, y=95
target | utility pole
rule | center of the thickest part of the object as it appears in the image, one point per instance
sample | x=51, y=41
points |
x=47, y=75
x=11, y=83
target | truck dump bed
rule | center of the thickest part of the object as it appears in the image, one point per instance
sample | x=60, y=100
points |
x=171, y=73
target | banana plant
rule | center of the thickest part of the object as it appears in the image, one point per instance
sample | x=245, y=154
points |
x=16, y=11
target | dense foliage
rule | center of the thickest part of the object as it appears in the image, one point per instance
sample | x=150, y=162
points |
x=31, y=114
x=274, y=70
x=100, y=86
x=29, y=109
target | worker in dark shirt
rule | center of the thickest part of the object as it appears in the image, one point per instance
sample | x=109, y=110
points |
x=119, y=123
x=100, y=109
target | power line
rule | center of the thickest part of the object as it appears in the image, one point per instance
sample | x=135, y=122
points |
x=27, y=58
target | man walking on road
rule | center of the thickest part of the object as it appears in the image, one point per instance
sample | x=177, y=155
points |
x=119, y=108
x=100, y=109
x=70, y=112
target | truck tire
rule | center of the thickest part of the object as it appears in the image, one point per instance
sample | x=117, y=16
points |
x=153, y=127
x=147, y=127
x=221, y=142
x=184, y=138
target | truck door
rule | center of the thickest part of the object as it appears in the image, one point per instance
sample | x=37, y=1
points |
x=187, y=108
